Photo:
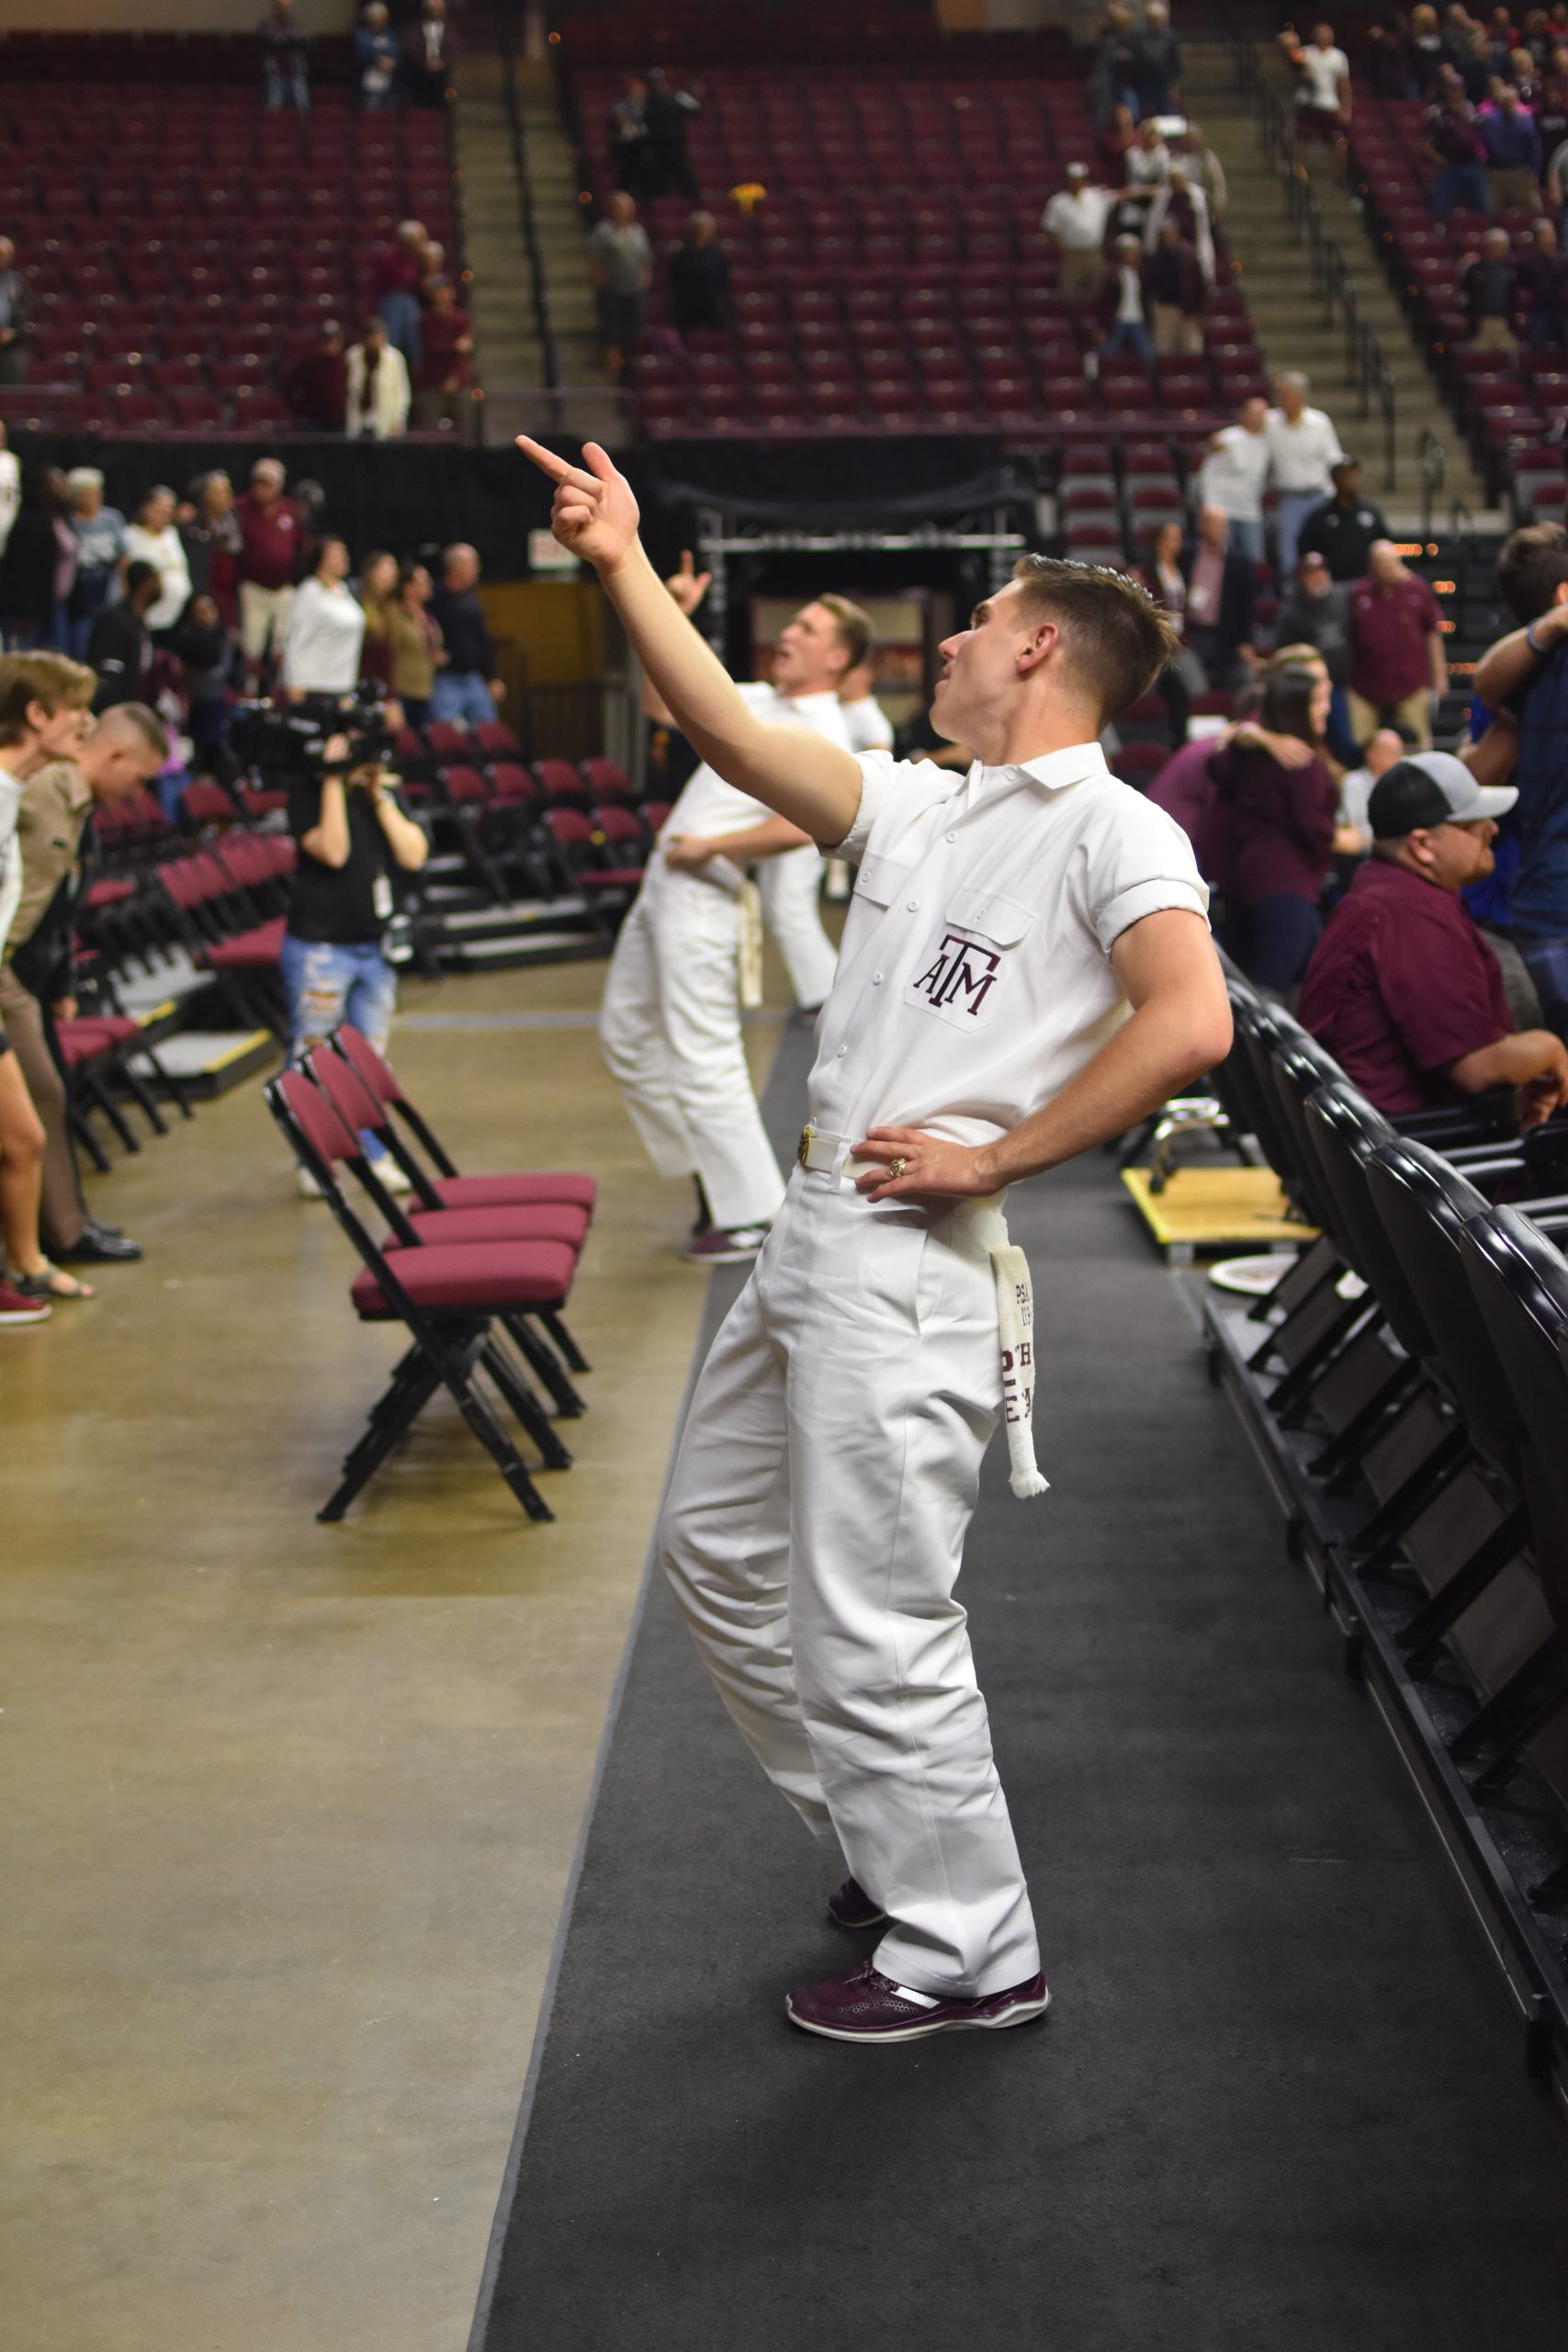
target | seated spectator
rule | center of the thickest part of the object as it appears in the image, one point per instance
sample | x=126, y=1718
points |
x=441, y=397
x=352, y=835
x=1122, y=306
x=43, y=715
x=1514, y=160
x=1177, y=292
x=1490, y=289
x=321, y=652
x=212, y=670
x=210, y=534
x=398, y=275
x=378, y=393
x=1317, y=613
x=1183, y=675
x=315, y=382
x=154, y=539
x=120, y=647
x=415, y=640
x=377, y=593
x=1155, y=63
x=1222, y=595
x=667, y=110
x=428, y=56
x=467, y=690
x=620, y=262
x=1342, y=529
x=699, y=281
x=1233, y=473
x=1398, y=669
x=1450, y=138
x=1322, y=112
x=1284, y=826
x=274, y=544
x=1202, y=168
x=1540, y=283
x=1387, y=747
x=37, y=570
x=374, y=59
x=122, y=754
x=1401, y=988
x=100, y=545
x=16, y=317
x=286, y=71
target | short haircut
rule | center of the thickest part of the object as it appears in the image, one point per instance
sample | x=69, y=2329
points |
x=46, y=678
x=1114, y=635
x=1532, y=562
x=851, y=626
x=137, y=573
x=140, y=720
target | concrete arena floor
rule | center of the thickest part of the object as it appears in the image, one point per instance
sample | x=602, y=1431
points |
x=289, y=1809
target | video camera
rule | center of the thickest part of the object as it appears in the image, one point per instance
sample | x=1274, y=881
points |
x=297, y=742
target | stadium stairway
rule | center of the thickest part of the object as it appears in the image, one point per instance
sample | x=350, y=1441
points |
x=507, y=345
x=1292, y=325
x=558, y=210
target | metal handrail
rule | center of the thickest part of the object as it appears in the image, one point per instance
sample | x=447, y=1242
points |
x=1366, y=371
x=529, y=217
x=1433, y=459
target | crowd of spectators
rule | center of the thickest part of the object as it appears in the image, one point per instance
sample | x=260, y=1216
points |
x=412, y=68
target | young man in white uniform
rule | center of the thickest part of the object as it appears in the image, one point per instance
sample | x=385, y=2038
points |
x=669, y=1023
x=1026, y=970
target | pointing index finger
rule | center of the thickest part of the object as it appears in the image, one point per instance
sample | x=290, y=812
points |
x=556, y=467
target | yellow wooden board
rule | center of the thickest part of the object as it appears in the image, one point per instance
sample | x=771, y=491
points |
x=1216, y=1208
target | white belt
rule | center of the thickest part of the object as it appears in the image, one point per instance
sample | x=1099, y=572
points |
x=828, y=1155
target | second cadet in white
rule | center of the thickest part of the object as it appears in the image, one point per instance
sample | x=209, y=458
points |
x=1026, y=972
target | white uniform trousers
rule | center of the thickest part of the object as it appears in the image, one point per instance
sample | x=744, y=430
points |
x=669, y=1031
x=813, y=1534
x=791, y=887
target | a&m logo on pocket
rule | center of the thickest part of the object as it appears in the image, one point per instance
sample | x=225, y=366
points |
x=958, y=980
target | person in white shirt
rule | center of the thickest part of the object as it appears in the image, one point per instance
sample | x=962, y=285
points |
x=869, y=727
x=326, y=629
x=154, y=539
x=378, y=394
x=1322, y=89
x=1026, y=972
x=1075, y=219
x=1234, y=474
x=1303, y=447
x=1386, y=747
x=670, y=1019
x=10, y=487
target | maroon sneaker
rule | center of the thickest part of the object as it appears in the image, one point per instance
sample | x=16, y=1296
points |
x=868, y=2006
x=850, y=1907
x=17, y=1306
x=725, y=1245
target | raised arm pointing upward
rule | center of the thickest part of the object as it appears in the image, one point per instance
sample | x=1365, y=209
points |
x=815, y=784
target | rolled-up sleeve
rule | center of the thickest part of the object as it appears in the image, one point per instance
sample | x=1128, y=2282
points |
x=1140, y=863
x=879, y=774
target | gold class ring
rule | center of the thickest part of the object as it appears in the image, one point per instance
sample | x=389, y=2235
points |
x=896, y=1166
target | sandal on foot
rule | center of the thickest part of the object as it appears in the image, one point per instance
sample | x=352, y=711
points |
x=50, y=1283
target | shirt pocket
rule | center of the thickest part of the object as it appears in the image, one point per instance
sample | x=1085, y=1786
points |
x=964, y=972
x=882, y=879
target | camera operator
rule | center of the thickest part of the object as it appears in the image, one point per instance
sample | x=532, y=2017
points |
x=351, y=832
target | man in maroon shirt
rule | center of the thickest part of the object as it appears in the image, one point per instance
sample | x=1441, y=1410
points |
x=441, y=381
x=1401, y=988
x=1397, y=662
x=273, y=545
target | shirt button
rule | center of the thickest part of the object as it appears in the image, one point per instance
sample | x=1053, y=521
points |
x=842, y=1051
x=952, y=837
x=913, y=904
x=877, y=980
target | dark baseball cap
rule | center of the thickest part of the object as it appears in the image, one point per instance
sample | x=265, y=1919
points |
x=1431, y=788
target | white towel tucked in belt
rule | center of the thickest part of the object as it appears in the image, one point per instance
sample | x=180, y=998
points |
x=1015, y=1320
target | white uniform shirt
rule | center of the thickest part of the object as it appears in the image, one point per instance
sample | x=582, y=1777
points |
x=165, y=550
x=1301, y=454
x=10, y=493
x=326, y=628
x=708, y=806
x=867, y=724
x=1077, y=217
x=1324, y=70
x=11, y=790
x=1232, y=475
x=975, y=979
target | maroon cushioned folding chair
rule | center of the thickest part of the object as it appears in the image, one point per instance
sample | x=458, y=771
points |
x=448, y=1296
x=515, y=1188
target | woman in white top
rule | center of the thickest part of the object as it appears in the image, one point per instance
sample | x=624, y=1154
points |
x=154, y=539
x=378, y=386
x=10, y=488
x=326, y=628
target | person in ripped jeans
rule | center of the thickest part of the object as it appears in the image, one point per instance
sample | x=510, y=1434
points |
x=351, y=830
